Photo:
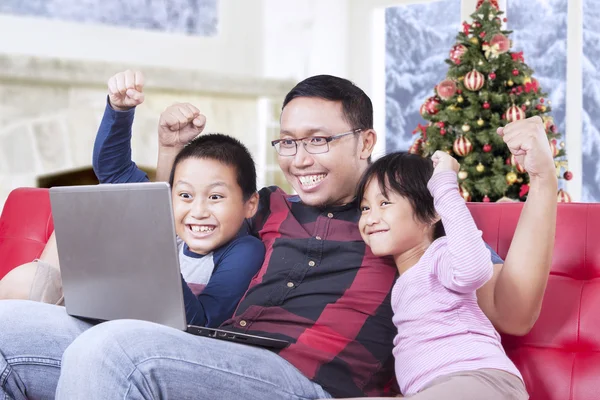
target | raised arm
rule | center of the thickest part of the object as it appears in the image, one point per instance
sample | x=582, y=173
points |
x=112, y=149
x=464, y=264
x=179, y=124
x=512, y=299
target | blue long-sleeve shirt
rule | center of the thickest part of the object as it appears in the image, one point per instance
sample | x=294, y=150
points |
x=235, y=263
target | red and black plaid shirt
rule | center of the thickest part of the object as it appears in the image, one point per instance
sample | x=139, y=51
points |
x=321, y=289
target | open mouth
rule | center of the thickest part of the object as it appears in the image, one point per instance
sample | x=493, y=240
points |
x=311, y=181
x=201, y=230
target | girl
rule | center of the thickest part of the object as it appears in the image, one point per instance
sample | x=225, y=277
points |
x=445, y=346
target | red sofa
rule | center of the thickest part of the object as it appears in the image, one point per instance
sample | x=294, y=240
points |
x=559, y=358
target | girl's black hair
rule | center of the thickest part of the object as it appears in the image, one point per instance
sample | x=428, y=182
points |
x=407, y=175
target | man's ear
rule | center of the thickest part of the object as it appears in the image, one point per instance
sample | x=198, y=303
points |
x=368, y=139
x=251, y=205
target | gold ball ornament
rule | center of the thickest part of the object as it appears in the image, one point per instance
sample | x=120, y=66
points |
x=528, y=103
x=461, y=78
x=527, y=79
x=510, y=82
x=480, y=62
x=466, y=128
x=465, y=194
x=460, y=99
x=543, y=108
x=480, y=122
x=511, y=178
x=474, y=40
x=562, y=145
x=480, y=167
x=463, y=175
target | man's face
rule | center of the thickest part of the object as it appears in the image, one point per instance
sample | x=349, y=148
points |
x=329, y=178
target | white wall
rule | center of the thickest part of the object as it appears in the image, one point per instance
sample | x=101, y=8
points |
x=303, y=38
x=237, y=49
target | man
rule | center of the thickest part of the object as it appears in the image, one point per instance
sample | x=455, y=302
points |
x=320, y=287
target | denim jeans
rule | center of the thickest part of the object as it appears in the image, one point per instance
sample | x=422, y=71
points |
x=44, y=352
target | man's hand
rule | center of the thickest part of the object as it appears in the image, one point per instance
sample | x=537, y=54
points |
x=179, y=124
x=125, y=90
x=443, y=161
x=527, y=140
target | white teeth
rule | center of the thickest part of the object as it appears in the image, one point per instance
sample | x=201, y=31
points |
x=201, y=228
x=310, y=180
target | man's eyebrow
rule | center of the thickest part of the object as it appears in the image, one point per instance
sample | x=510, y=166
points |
x=308, y=132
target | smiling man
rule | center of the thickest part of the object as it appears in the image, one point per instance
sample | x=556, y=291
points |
x=320, y=287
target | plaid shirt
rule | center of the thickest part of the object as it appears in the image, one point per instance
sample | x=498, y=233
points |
x=321, y=289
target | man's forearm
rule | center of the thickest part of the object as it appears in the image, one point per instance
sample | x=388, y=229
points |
x=522, y=281
x=166, y=156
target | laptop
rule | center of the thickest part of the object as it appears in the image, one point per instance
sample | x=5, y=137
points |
x=119, y=258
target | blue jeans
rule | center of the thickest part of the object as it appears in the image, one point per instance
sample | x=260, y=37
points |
x=44, y=352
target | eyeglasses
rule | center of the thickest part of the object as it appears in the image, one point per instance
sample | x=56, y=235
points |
x=312, y=144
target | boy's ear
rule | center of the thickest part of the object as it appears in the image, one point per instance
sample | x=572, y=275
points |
x=251, y=205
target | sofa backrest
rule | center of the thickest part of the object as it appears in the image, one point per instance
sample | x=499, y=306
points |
x=560, y=357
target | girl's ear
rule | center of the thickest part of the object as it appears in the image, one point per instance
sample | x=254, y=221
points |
x=251, y=205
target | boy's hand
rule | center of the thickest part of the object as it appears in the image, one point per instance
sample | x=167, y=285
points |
x=125, y=90
x=442, y=161
x=527, y=140
x=179, y=124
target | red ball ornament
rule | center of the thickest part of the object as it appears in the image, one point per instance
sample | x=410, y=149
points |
x=474, y=80
x=446, y=89
x=462, y=146
x=500, y=43
x=492, y=75
x=441, y=124
x=486, y=199
x=493, y=3
x=524, y=107
x=508, y=161
x=515, y=72
x=542, y=100
x=487, y=148
x=432, y=106
x=568, y=175
x=456, y=53
x=514, y=113
x=442, y=131
x=482, y=35
x=459, y=91
x=486, y=105
x=505, y=19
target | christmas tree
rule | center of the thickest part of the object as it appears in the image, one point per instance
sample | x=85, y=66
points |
x=487, y=86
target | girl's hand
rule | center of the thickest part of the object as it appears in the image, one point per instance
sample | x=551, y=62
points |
x=443, y=161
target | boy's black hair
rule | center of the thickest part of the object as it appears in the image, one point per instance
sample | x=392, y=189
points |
x=356, y=105
x=407, y=175
x=226, y=150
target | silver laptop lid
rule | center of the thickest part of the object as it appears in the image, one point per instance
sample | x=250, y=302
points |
x=118, y=252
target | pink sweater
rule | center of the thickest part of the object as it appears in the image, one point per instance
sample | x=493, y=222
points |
x=441, y=329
